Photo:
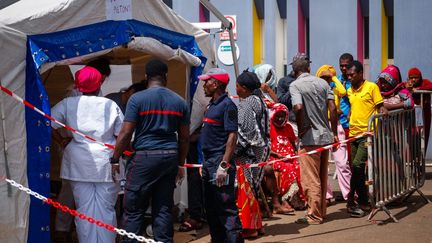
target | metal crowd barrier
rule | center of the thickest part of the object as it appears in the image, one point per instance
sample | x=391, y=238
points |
x=423, y=98
x=396, y=164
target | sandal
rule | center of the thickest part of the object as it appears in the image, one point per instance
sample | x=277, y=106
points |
x=283, y=210
x=308, y=221
x=189, y=225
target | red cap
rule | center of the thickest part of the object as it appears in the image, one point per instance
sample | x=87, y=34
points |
x=88, y=79
x=216, y=73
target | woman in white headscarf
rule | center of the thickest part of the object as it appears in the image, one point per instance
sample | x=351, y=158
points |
x=267, y=76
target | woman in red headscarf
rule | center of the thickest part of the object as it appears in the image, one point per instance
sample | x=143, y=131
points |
x=417, y=82
x=395, y=95
x=286, y=183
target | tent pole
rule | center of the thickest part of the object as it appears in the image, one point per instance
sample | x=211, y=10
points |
x=227, y=25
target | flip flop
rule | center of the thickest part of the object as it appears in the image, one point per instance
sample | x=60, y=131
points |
x=284, y=211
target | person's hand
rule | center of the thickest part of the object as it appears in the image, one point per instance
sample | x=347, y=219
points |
x=265, y=88
x=383, y=110
x=221, y=176
x=180, y=176
x=336, y=140
x=65, y=141
x=115, y=170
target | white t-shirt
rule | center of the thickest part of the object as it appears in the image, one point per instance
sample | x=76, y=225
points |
x=97, y=117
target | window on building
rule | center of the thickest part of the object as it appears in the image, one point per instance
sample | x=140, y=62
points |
x=390, y=37
x=307, y=36
x=389, y=15
x=366, y=37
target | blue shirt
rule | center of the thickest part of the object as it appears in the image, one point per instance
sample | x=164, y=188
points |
x=158, y=113
x=219, y=120
x=344, y=103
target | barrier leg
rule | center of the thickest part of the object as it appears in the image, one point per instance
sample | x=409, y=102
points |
x=426, y=200
x=390, y=214
x=373, y=213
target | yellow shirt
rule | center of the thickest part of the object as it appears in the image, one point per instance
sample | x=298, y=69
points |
x=363, y=103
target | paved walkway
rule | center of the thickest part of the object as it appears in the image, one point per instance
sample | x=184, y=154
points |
x=415, y=225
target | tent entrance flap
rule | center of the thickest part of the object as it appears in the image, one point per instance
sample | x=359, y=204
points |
x=74, y=43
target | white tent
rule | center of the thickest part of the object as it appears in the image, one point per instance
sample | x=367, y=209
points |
x=42, y=35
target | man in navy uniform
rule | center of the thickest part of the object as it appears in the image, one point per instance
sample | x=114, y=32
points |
x=219, y=139
x=160, y=119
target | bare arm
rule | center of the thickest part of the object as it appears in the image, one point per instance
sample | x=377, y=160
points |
x=266, y=89
x=300, y=119
x=394, y=106
x=59, y=139
x=333, y=116
x=382, y=109
x=123, y=139
x=230, y=146
x=183, y=143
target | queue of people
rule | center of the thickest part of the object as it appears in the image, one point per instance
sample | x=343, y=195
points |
x=272, y=120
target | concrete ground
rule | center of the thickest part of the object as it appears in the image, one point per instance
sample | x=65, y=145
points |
x=415, y=224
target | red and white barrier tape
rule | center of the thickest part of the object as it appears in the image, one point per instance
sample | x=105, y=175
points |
x=26, y=103
x=295, y=156
x=129, y=153
x=78, y=214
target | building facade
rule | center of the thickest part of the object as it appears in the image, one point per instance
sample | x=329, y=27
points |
x=376, y=32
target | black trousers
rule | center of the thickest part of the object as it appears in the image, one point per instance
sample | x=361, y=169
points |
x=150, y=176
x=195, y=190
x=222, y=213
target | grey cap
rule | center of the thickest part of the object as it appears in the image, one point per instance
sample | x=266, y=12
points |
x=300, y=57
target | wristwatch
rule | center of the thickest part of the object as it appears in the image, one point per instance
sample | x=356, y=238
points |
x=114, y=161
x=224, y=165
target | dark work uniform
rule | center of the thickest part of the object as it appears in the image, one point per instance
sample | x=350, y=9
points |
x=222, y=214
x=284, y=95
x=158, y=113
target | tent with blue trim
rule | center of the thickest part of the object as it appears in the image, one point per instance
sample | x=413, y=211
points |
x=44, y=35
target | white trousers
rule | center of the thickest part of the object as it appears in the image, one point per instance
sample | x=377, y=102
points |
x=97, y=200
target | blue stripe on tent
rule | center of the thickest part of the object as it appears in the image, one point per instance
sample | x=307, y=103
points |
x=38, y=154
x=58, y=46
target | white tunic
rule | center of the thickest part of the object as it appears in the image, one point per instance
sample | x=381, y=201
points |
x=97, y=117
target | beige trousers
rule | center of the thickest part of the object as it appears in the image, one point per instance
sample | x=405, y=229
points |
x=313, y=177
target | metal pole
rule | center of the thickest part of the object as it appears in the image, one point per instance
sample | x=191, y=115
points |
x=226, y=24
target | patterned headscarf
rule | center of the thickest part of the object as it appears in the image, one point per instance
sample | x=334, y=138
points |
x=392, y=76
x=278, y=107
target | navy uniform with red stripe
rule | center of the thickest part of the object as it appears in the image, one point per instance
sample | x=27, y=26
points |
x=158, y=112
x=219, y=120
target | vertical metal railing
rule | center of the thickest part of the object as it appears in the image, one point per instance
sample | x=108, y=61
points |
x=396, y=165
x=423, y=98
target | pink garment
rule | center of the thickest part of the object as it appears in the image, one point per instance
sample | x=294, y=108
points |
x=343, y=170
x=88, y=79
